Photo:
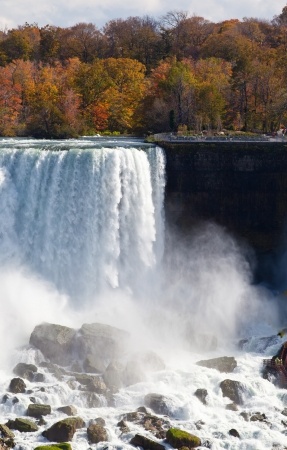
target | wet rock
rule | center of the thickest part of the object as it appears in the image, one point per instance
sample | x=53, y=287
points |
x=6, y=437
x=38, y=410
x=96, y=433
x=199, y=424
x=113, y=375
x=17, y=386
x=23, y=425
x=178, y=438
x=147, y=444
x=231, y=407
x=234, y=433
x=245, y=416
x=133, y=373
x=24, y=370
x=123, y=426
x=56, y=342
x=224, y=364
x=258, y=417
x=201, y=394
x=64, y=446
x=100, y=344
x=63, y=430
x=57, y=371
x=155, y=425
x=39, y=377
x=157, y=402
x=69, y=410
x=92, y=383
x=92, y=399
x=233, y=390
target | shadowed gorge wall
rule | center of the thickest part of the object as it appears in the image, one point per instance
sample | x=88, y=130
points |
x=239, y=185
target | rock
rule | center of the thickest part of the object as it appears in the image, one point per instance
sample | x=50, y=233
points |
x=25, y=371
x=234, y=433
x=23, y=425
x=92, y=399
x=284, y=412
x=178, y=438
x=153, y=424
x=223, y=364
x=231, y=407
x=92, y=383
x=258, y=417
x=56, y=342
x=6, y=437
x=63, y=430
x=113, y=376
x=17, y=386
x=123, y=426
x=96, y=433
x=63, y=446
x=39, y=377
x=38, y=410
x=151, y=362
x=133, y=373
x=157, y=402
x=201, y=394
x=100, y=344
x=70, y=410
x=57, y=371
x=147, y=444
x=233, y=390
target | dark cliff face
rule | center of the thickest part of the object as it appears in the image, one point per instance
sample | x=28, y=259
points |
x=239, y=185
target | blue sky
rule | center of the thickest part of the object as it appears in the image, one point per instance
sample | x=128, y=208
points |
x=65, y=13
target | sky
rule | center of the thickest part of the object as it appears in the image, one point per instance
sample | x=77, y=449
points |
x=65, y=13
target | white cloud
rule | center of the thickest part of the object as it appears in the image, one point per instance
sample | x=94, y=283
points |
x=64, y=14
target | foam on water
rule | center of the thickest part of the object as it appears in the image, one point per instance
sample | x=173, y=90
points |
x=82, y=239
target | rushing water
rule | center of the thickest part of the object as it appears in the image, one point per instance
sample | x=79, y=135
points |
x=82, y=238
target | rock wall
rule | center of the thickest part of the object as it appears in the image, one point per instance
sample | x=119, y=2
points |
x=239, y=185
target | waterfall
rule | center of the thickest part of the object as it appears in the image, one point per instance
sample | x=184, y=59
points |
x=85, y=216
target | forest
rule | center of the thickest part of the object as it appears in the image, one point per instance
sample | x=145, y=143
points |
x=141, y=75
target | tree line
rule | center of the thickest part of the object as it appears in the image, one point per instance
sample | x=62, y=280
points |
x=142, y=75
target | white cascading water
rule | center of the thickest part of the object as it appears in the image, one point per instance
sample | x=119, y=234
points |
x=82, y=237
x=85, y=218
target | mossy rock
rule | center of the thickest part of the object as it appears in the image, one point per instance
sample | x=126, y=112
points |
x=63, y=430
x=23, y=425
x=178, y=438
x=63, y=446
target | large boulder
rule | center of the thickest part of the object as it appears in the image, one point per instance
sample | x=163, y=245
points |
x=56, y=342
x=223, y=364
x=233, y=390
x=63, y=430
x=99, y=344
x=178, y=438
x=96, y=433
